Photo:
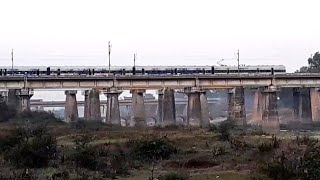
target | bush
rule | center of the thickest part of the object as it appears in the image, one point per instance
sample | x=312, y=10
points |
x=224, y=130
x=174, y=176
x=87, y=125
x=305, y=167
x=32, y=148
x=265, y=147
x=6, y=112
x=111, y=160
x=152, y=149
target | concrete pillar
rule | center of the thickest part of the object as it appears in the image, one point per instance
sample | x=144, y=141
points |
x=168, y=108
x=194, y=109
x=94, y=106
x=113, y=110
x=24, y=96
x=205, y=122
x=256, y=118
x=86, y=105
x=270, y=118
x=13, y=99
x=296, y=104
x=160, y=106
x=315, y=104
x=197, y=108
x=236, y=106
x=138, y=108
x=71, y=107
x=305, y=105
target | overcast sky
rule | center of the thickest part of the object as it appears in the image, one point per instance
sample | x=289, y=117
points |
x=166, y=32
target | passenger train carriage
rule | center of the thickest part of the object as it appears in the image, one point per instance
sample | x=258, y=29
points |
x=140, y=70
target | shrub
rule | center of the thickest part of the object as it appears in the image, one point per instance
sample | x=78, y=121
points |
x=174, y=176
x=224, y=130
x=6, y=112
x=152, y=149
x=87, y=125
x=30, y=147
x=265, y=147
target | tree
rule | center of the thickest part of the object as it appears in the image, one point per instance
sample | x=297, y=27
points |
x=314, y=64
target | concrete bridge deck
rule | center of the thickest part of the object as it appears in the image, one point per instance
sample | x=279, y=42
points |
x=127, y=82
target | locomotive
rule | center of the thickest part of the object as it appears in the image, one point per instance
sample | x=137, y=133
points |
x=140, y=70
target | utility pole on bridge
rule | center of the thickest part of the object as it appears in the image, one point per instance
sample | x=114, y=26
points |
x=12, y=62
x=109, y=47
x=238, y=61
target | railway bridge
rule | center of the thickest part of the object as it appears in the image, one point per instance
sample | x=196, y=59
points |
x=19, y=90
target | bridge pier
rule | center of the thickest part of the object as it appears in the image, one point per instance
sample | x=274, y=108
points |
x=315, y=104
x=205, y=122
x=168, y=108
x=270, y=118
x=138, y=109
x=236, y=107
x=71, y=107
x=160, y=107
x=24, y=96
x=86, y=107
x=256, y=118
x=3, y=96
x=92, y=110
x=197, y=108
x=113, y=111
x=302, y=110
x=13, y=99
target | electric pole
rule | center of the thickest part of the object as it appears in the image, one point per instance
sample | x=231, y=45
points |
x=238, y=61
x=134, y=60
x=12, y=62
x=109, y=46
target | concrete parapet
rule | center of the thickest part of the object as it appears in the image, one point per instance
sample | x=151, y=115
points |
x=270, y=118
x=113, y=111
x=71, y=107
x=138, y=109
x=236, y=106
x=24, y=96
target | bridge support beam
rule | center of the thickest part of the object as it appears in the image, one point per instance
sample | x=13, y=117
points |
x=138, y=109
x=315, y=104
x=168, y=108
x=236, y=109
x=256, y=118
x=113, y=111
x=270, y=118
x=71, y=107
x=197, y=109
x=24, y=96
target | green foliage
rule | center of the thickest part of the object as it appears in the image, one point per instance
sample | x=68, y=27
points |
x=305, y=167
x=152, y=149
x=314, y=64
x=111, y=160
x=29, y=147
x=6, y=112
x=174, y=176
x=265, y=147
x=224, y=129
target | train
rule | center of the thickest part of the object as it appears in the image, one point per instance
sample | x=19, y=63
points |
x=140, y=70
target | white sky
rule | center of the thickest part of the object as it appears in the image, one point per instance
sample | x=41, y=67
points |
x=198, y=32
